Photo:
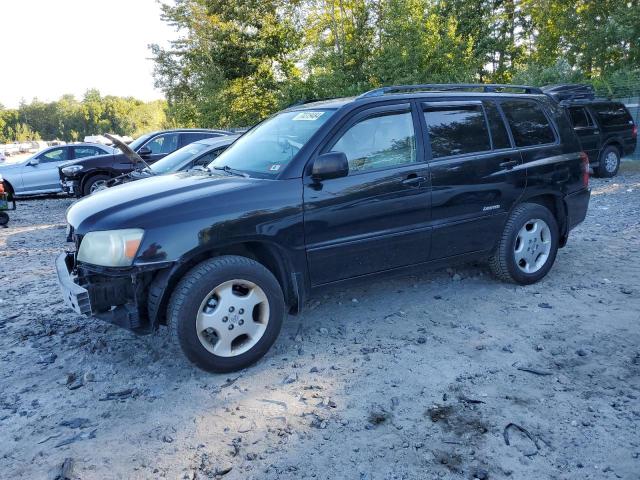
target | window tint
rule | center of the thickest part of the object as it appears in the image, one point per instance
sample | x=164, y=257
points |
x=163, y=144
x=191, y=137
x=81, y=152
x=379, y=142
x=529, y=125
x=456, y=130
x=579, y=117
x=612, y=114
x=208, y=158
x=55, y=155
x=496, y=124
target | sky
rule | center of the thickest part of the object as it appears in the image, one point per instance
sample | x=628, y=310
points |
x=52, y=47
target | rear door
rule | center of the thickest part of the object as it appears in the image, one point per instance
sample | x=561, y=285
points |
x=587, y=131
x=44, y=176
x=476, y=175
x=376, y=218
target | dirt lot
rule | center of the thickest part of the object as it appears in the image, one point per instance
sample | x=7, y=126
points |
x=417, y=377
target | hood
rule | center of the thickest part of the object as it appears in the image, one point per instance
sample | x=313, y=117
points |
x=85, y=160
x=162, y=199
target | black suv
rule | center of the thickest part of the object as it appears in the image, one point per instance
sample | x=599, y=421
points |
x=326, y=192
x=605, y=128
x=82, y=177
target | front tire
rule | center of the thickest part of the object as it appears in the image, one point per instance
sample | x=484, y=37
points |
x=94, y=183
x=609, y=162
x=528, y=245
x=226, y=313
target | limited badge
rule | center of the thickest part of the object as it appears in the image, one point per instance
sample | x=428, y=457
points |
x=275, y=167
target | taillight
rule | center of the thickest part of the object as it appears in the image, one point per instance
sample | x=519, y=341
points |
x=1, y=186
x=635, y=131
x=584, y=158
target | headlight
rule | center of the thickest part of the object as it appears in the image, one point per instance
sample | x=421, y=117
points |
x=72, y=170
x=111, y=248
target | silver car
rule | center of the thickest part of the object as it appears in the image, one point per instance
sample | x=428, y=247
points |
x=39, y=173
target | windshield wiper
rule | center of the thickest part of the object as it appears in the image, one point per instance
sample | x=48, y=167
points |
x=231, y=171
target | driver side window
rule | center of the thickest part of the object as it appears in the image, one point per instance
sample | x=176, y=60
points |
x=55, y=155
x=379, y=142
x=163, y=144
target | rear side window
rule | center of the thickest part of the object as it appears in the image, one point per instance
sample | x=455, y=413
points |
x=496, y=124
x=529, y=125
x=611, y=114
x=457, y=130
x=579, y=117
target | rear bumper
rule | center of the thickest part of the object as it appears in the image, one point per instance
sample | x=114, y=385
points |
x=113, y=298
x=577, y=204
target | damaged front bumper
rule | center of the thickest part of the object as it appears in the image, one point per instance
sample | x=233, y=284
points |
x=115, y=296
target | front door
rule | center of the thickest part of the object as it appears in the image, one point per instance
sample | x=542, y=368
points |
x=587, y=131
x=43, y=176
x=475, y=175
x=161, y=146
x=376, y=218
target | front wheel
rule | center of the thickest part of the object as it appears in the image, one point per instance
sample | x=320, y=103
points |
x=94, y=184
x=528, y=245
x=226, y=313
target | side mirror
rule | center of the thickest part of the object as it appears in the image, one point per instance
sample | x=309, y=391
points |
x=330, y=165
x=144, y=152
x=33, y=162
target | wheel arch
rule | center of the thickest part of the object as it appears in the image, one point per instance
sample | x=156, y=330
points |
x=267, y=254
x=555, y=204
x=11, y=191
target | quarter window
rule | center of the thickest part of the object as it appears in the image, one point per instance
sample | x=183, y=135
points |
x=529, y=125
x=579, y=117
x=613, y=114
x=457, y=130
x=379, y=142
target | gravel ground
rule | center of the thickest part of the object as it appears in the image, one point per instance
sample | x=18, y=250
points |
x=448, y=374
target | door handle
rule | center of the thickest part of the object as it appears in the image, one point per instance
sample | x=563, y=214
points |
x=509, y=164
x=413, y=180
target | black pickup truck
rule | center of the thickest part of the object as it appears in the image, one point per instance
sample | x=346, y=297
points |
x=85, y=176
x=322, y=193
x=605, y=128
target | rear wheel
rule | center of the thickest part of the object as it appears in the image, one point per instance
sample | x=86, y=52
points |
x=4, y=218
x=226, y=313
x=609, y=162
x=95, y=183
x=528, y=245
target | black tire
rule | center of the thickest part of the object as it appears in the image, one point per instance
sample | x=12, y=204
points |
x=196, y=285
x=91, y=181
x=604, y=170
x=503, y=262
x=4, y=218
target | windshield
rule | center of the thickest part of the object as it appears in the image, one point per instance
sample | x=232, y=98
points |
x=175, y=160
x=139, y=141
x=269, y=147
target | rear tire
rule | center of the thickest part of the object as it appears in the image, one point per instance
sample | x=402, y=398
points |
x=609, y=162
x=92, y=183
x=226, y=313
x=528, y=245
x=4, y=219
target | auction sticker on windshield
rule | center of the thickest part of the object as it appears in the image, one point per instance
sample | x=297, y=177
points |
x=307, y=116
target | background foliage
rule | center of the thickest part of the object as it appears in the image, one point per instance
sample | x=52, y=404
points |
x=70, y=119
x=236, y=62
x=239, y=61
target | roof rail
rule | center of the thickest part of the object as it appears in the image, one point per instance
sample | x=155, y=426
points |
x=570, y=92
x=446, y=87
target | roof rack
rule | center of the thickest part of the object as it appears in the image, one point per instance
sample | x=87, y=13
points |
x=446, y=87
